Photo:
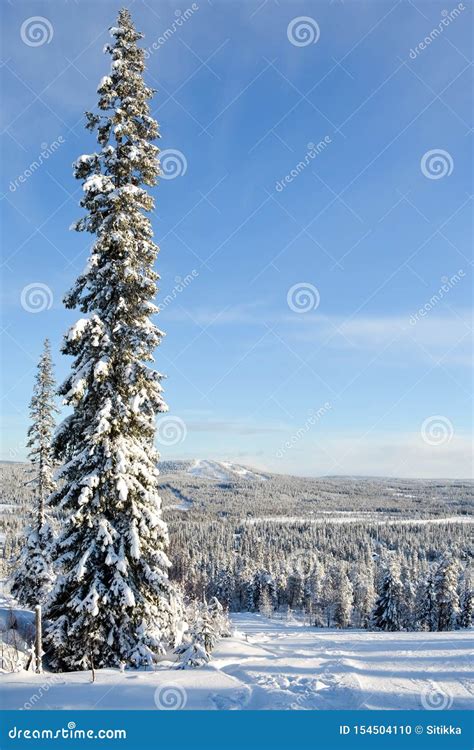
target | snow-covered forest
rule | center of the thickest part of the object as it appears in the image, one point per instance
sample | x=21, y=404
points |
x=134, y=562
x=316, y=598
x=277, y=544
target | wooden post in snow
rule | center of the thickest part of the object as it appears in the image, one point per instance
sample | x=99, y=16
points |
x=38, y=641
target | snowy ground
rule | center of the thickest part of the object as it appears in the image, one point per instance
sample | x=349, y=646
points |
x=277, y=665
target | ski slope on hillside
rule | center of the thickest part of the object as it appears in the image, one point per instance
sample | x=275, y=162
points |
x=223, y=471
x=270, y=664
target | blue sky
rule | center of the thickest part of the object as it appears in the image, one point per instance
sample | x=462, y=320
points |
x=371, y=226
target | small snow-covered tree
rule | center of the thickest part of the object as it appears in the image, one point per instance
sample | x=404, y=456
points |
x=364, y=595
x=343, y=603
x=295, y=590
x=33, y=576
x=223, y=587
x=113, y=602
x=408, y=615
x=328, y=594
x=208, y=624
x=388, y=606
x=446, y=585
x=262, y=580
x=316, y=584
x=427, y=607
x=265, y=603
x=467, y=605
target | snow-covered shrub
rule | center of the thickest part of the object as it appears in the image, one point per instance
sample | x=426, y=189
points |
x=208, y=623
x=16, y=639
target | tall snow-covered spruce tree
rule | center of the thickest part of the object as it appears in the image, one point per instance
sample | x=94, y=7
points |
x=33, y=575
x=113, y=602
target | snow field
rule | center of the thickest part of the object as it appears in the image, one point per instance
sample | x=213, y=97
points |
x=273, y=664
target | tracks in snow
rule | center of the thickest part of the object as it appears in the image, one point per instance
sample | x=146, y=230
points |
x=284, y=673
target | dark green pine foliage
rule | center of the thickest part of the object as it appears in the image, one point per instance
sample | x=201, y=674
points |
x=467, y=605
x=388, y=605
x=446, y=586
x=33, y=576
x=113, y=602
x=428, y=606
